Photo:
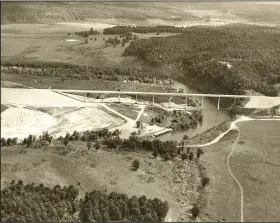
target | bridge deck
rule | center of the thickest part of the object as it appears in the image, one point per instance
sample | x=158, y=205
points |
x=161, y=93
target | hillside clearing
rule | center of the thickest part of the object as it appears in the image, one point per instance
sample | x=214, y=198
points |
x=104, y=169
x=254, y=166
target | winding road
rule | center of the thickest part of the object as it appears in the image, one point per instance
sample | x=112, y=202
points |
x=233, y=126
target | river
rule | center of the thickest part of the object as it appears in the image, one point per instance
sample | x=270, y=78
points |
x=211, y=116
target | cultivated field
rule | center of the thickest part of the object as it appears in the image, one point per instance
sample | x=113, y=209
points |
x=255, y=164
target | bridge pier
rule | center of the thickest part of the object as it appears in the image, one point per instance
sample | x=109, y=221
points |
x=119, y=98
x=186, y=102
x=153, y=100
x=136, y=102
x=218, y=108
x=169, y=102
x=85, y=97
x=234, y=102
x=202, y=102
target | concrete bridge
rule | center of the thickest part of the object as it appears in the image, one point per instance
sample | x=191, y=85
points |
x=153, y=94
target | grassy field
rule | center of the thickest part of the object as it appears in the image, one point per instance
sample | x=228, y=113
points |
x=47, y=42
x=255, y=163
x=102, y=169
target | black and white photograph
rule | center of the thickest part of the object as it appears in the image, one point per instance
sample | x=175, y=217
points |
x=140, y=111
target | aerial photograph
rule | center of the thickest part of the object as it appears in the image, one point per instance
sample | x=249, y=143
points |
x=140, y=111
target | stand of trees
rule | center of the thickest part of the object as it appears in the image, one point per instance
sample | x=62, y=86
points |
x=143, y=29
x=31, y=203
x=233, y=58
x=65, y=70
x=178, y=120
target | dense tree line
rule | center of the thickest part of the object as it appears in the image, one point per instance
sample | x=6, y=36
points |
x=143, y=29
x=9, y=141
x=31, y=203
x=65, y=70
x=233, y=57
x=168, y=150
x=86, y=34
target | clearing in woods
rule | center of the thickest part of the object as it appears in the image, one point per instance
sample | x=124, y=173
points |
x=55, y=164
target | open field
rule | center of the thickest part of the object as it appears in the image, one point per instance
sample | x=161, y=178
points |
x=254, y=163
x=69, y=83
x=104, y=169
x=50, y=42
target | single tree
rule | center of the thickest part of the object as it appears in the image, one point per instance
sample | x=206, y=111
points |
x=138, y=123
x=155, y=153
x=97, y=145
x=89, y=144
x=20, y=182
x=135, y=165
x=195, y=211
x=24, y=142
x=191, y=155
x=205, y=181
x=69, y=34
x=65, y=141
x=86, y=41
x=199, y=152
x=29, y=142
x=184, y=156
x=15, y=141
x=49, y=139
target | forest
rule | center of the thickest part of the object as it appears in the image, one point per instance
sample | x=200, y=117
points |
x=143, y=29
x=233, y=58
x=37, y=203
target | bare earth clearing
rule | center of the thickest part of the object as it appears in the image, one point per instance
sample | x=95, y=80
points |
x=103, y=169
x=34, y=111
